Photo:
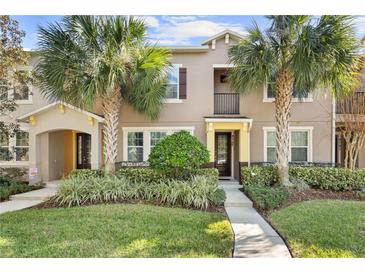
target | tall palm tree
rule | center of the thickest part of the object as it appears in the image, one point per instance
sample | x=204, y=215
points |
x=295, y=52
x=89, y=58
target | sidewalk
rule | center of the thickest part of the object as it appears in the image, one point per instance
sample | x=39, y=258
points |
x=29, y=199
x=254, y=237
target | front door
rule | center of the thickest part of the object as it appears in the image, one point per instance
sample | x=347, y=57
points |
x=83, y=157
x=223, y=153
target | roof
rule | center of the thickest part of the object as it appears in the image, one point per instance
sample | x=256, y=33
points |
x=222, y=34
x=49, y=106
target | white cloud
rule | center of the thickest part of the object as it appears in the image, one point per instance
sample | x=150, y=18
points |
x=150, y=21
x=360, y=25
x=179, y=30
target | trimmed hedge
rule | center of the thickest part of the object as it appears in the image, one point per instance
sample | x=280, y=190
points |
x=319, y=177
x=14, y=174
x=267, y=197
x=86, y=173
x=146, y=175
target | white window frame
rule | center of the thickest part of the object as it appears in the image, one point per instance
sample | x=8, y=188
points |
x=292, y=129
x=147, y=137
x=266, y=99
x=176, y=100
x=12, y=146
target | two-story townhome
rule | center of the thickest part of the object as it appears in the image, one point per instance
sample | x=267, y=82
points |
x=237, y=129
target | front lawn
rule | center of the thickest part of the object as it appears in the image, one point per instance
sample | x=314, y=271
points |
x=326, y=228
x=119, y=230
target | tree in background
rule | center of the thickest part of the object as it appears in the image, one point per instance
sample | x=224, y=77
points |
x=12, y=56
x=86, y=58
x=351, y=120
x=299, y=53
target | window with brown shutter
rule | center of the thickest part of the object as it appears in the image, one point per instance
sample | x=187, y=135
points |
x=182, y=83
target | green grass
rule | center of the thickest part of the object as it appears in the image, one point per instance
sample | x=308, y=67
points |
x=119, y=230
x=323, y=229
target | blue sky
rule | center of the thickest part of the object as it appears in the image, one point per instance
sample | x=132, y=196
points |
x=169, y=29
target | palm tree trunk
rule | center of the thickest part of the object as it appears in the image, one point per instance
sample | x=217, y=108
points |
x=111, y=106
x=283, y=101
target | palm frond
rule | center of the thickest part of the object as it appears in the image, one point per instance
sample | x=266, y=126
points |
x=253, y=61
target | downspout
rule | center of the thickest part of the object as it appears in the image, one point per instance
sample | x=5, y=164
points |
x=333, y=131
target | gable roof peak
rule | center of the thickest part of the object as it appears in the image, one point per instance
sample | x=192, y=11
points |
x=222, y=34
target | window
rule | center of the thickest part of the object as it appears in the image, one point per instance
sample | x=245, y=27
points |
x=138, y=142
x=300, y=144
x=4, y=90
x=15, y=148
x=156, y=136
x=172, y=90
x=135, y=146
x=269, y=94
x=270, y=146
x=4, y=147
x=21, y=148
x=21, y=92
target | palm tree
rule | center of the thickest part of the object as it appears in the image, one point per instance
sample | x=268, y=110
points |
x=107, y=58
x=295, y=52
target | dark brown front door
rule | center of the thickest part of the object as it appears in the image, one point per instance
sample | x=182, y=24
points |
x=223, y=153
x=83, y=158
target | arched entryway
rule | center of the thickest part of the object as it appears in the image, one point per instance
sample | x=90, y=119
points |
x=61, y=139
x=61, y=151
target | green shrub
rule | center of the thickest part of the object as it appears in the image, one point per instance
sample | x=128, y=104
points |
x=330, y=177
x=149, y=175
x=199, y=192
x=14, y=174
x=267, y=197
x=256, y=175
x=11, y=187
x=318, y=177
x=144, y=175
x=178, y=155
x=86, y=173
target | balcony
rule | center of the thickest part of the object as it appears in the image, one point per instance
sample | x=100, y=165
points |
x=352, y=105
x=226, y=103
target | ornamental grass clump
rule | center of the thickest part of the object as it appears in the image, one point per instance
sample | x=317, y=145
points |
x=198, y=192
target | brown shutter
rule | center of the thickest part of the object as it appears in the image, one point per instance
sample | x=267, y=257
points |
x=182, y=83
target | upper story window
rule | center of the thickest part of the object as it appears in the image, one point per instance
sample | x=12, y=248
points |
x=269, y=94
x=20, y=92
x=172, y=90
x=300, y=144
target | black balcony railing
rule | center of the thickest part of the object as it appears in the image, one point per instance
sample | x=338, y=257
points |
x=354, y=104
x=226, y=103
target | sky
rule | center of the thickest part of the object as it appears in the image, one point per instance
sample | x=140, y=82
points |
x=170, y=30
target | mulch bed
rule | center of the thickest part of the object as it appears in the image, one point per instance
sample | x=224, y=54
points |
x=53, y=204
x=320, y=194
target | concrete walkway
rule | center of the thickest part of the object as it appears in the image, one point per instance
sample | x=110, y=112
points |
x=254, y=237
x=29, y=199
